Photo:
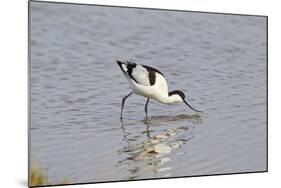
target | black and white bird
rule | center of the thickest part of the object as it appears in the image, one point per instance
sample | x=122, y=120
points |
x=150, y=83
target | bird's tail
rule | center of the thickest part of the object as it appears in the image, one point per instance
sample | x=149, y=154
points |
x=122, y=65
x=126, y=66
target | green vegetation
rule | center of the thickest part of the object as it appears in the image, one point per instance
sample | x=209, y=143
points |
x=39, y=177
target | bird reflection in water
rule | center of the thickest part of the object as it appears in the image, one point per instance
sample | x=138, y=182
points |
x=146, y=153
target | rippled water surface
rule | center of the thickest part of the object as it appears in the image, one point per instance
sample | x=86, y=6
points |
x=218, y=60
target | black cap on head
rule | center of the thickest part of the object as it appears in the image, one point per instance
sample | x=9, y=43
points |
x=178, y=92
x=181, y=94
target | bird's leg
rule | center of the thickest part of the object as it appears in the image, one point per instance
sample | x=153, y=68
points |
x=145, y=108
x=123, y=102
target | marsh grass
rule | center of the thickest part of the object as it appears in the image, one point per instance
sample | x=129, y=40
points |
x=39, y=177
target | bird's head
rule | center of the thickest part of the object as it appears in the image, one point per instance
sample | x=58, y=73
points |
x=179, y=96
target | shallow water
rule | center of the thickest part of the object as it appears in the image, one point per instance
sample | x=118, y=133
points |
x=218, y=60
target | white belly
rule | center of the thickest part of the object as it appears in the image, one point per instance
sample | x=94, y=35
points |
x=158, y=92
x=145, y=91
x=151, y=92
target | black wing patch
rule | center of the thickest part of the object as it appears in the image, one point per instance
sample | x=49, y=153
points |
x=151, y=74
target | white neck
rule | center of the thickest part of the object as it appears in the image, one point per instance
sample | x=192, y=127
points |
x=170, y=99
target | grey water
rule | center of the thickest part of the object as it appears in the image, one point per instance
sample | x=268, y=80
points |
x=217, y=60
